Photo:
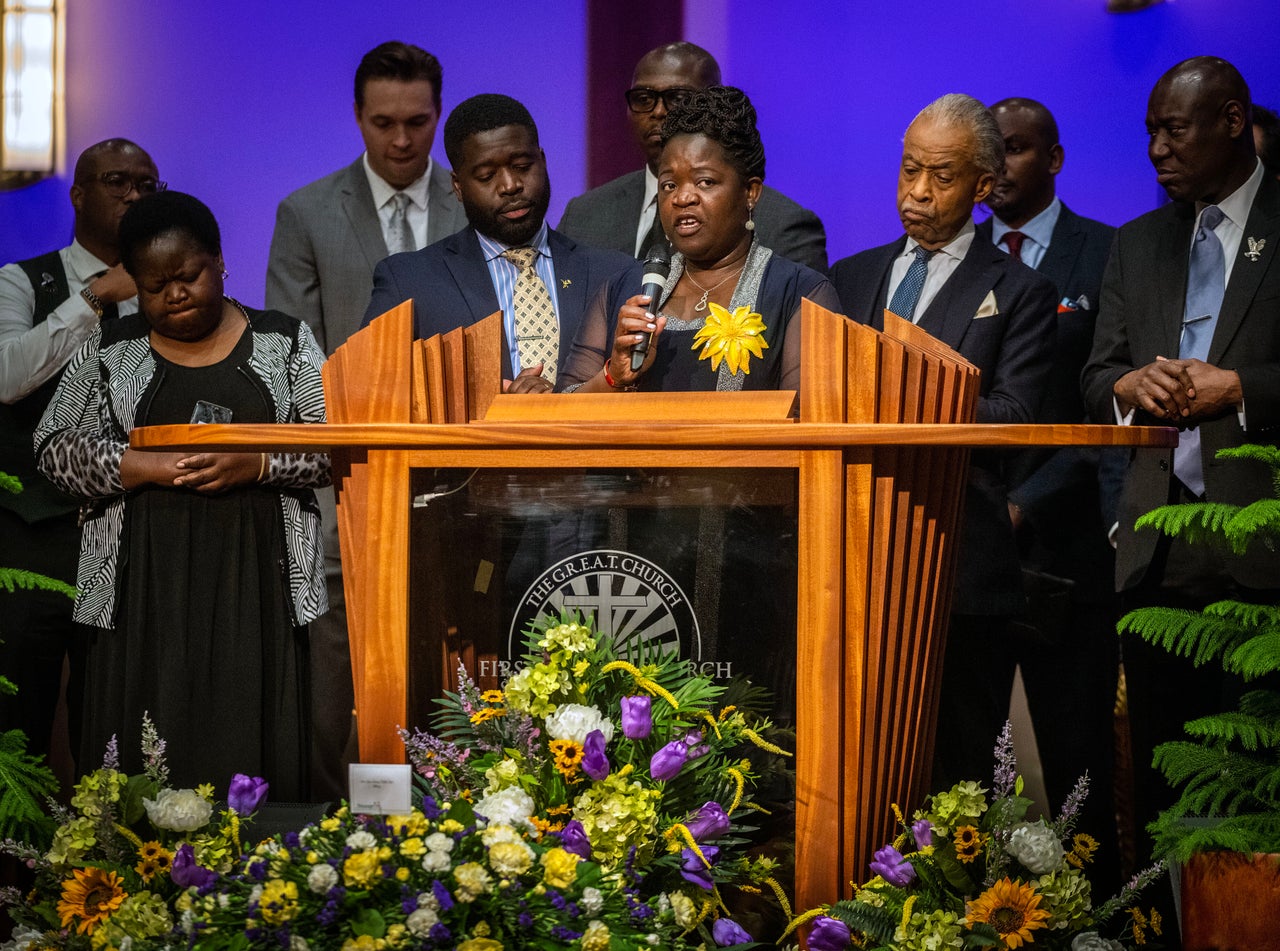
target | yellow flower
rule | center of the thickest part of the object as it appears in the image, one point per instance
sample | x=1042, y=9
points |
x=330, y=824
x=414, y=824
x=734, y=337
x=153, y=858
x=91, y=894
x=402, y=874
x=596, y=937
x=473, y=881
x=493, y=696
x=510, y=858
x=568, y=755
x=968, y=843
x=480, y=944
x=1012, y=908
x=413, y=848
x=487, y=713
x=1082, y=848
x=451, y=826
x=581, y=667
x=361, y=869
x=560, y=868
x=279, y=901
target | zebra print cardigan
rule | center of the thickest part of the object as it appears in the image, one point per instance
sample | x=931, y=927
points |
x=84, y=433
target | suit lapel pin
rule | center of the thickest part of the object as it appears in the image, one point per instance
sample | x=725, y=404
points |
x=565, y=282
x=1255, y=248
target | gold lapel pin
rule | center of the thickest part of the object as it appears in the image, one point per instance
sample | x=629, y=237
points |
x=565, y=282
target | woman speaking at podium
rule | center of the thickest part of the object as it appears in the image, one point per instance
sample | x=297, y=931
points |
x=728, y=317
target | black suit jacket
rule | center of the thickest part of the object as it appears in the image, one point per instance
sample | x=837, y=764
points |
x=1143, y=293
x=608, y=217
x=450, y=286
x=1013, y=349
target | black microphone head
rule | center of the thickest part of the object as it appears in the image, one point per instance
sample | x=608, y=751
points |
x=657, y=263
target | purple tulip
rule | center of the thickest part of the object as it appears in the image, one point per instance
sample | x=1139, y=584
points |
x=829, y=934
x=668, y=761
x=185, y=872
x=728, y=933
x=922, y=832
x=696, y=871
x=247, y=793
x=637, y=717
x=893, y=868
x=594, y=761
x=573, y=838
x=709, y=823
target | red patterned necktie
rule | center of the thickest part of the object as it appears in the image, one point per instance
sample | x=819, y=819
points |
x=1013, y=241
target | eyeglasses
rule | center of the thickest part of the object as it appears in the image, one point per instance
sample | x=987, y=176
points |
x=118, y=184
x=643, y=99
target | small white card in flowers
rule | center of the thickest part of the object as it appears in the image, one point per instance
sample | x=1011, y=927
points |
x=988, y=307
x=380, y=788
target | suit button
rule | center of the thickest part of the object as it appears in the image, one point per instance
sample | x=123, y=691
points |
x=1164, y=465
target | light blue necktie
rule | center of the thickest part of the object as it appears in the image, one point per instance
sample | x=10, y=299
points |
x=907, y=295
x=1206, y=284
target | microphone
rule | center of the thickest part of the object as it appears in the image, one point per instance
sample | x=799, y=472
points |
x=657, y=266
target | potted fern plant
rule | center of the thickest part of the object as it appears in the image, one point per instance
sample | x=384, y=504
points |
x=1225, y=826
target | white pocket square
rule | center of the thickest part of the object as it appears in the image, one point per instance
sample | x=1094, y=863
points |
x=988, y=307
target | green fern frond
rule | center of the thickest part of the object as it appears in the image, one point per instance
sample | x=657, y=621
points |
x=9, y=483
x=1195, y=522
x=25, y=782
x=877, y=922
x=1177, y=837
x=1256, y=657
x=14, y=578
x=1267, y=454
x=1251, y=732
x=1258, y=520
x=1184, y=633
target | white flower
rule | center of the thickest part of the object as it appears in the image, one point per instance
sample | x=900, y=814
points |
x=499, y=832
x=1035, y=846
x=421, y=922
x=361, y=840
x=436, y=862
x=255, y=894
x=512, y=806
x=298, y=943
x=573, y=721
x=651, y=939
x=321, y=878
x=1092, y=941
x=23, y=938
x=179, y=810
x=510, y=857
x=592, y=901
x=428, y=900
x=686, y=912
x=439, y=842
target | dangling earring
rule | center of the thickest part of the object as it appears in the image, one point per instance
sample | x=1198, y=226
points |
x=751, y=219
x=225, y=273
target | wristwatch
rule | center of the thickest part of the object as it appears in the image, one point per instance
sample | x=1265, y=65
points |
x=94, y=301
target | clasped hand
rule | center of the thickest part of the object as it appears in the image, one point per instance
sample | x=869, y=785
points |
x=205, y=472
x=1181, y=391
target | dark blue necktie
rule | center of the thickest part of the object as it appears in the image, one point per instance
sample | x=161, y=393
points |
x=1206, y=284
x=907, y=295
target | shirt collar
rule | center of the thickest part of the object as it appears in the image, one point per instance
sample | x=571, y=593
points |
x=493, y=248
x=1236, y=206
x=956, y=248
x=83, y=264
x=383, y=193
x=650, y=187
x=1039, y=229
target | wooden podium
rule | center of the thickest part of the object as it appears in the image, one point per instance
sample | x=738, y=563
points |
x=879, y=451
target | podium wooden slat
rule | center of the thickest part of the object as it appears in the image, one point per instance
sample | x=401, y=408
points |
x=879, y=502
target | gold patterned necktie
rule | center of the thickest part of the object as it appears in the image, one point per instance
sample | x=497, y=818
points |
x=537, y=332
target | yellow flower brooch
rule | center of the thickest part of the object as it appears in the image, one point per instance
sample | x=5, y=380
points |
x=733, y=337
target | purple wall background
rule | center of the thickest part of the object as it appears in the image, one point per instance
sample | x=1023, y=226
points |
x=243, y=101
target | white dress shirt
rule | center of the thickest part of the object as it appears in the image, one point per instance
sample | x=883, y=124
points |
x=942, y=265
x=32, y=353
x=648, y=209
x=416, y=211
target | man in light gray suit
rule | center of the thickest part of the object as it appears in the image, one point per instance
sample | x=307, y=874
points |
x=329, y=235
x=622, y=214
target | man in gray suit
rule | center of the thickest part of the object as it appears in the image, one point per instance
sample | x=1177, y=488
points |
x=329, y=236
x=622, y=214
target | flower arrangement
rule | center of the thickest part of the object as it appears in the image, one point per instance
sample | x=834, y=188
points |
x=734, y=336
x=124, y=855
x=627, y=762
x=969, y=871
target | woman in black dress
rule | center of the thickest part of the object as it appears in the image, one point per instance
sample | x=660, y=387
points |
x=198, y=571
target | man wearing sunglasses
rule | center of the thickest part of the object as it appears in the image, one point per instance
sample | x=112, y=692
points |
x=622, y=214
x=49, y=306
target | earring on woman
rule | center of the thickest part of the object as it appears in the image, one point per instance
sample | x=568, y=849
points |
x=225, y=273
x=751, y=219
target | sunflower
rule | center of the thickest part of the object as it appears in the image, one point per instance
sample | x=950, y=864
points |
x=487, y=713
x=968, y=842
x=493, y=696
x=91, y=895
x=152, y=858
x=568, y=755
x=1082, y=848
x=1012, y=908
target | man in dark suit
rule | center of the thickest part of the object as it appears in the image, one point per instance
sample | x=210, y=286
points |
x=1067, y=646
x=500, y=177
x=1220, y=380
x=329, y=235
x=622, y=214
x=998, y=313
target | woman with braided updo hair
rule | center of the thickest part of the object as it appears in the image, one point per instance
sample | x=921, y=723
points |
x=709, y=180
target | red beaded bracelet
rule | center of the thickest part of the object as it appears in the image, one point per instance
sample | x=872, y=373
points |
x=613, y=384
